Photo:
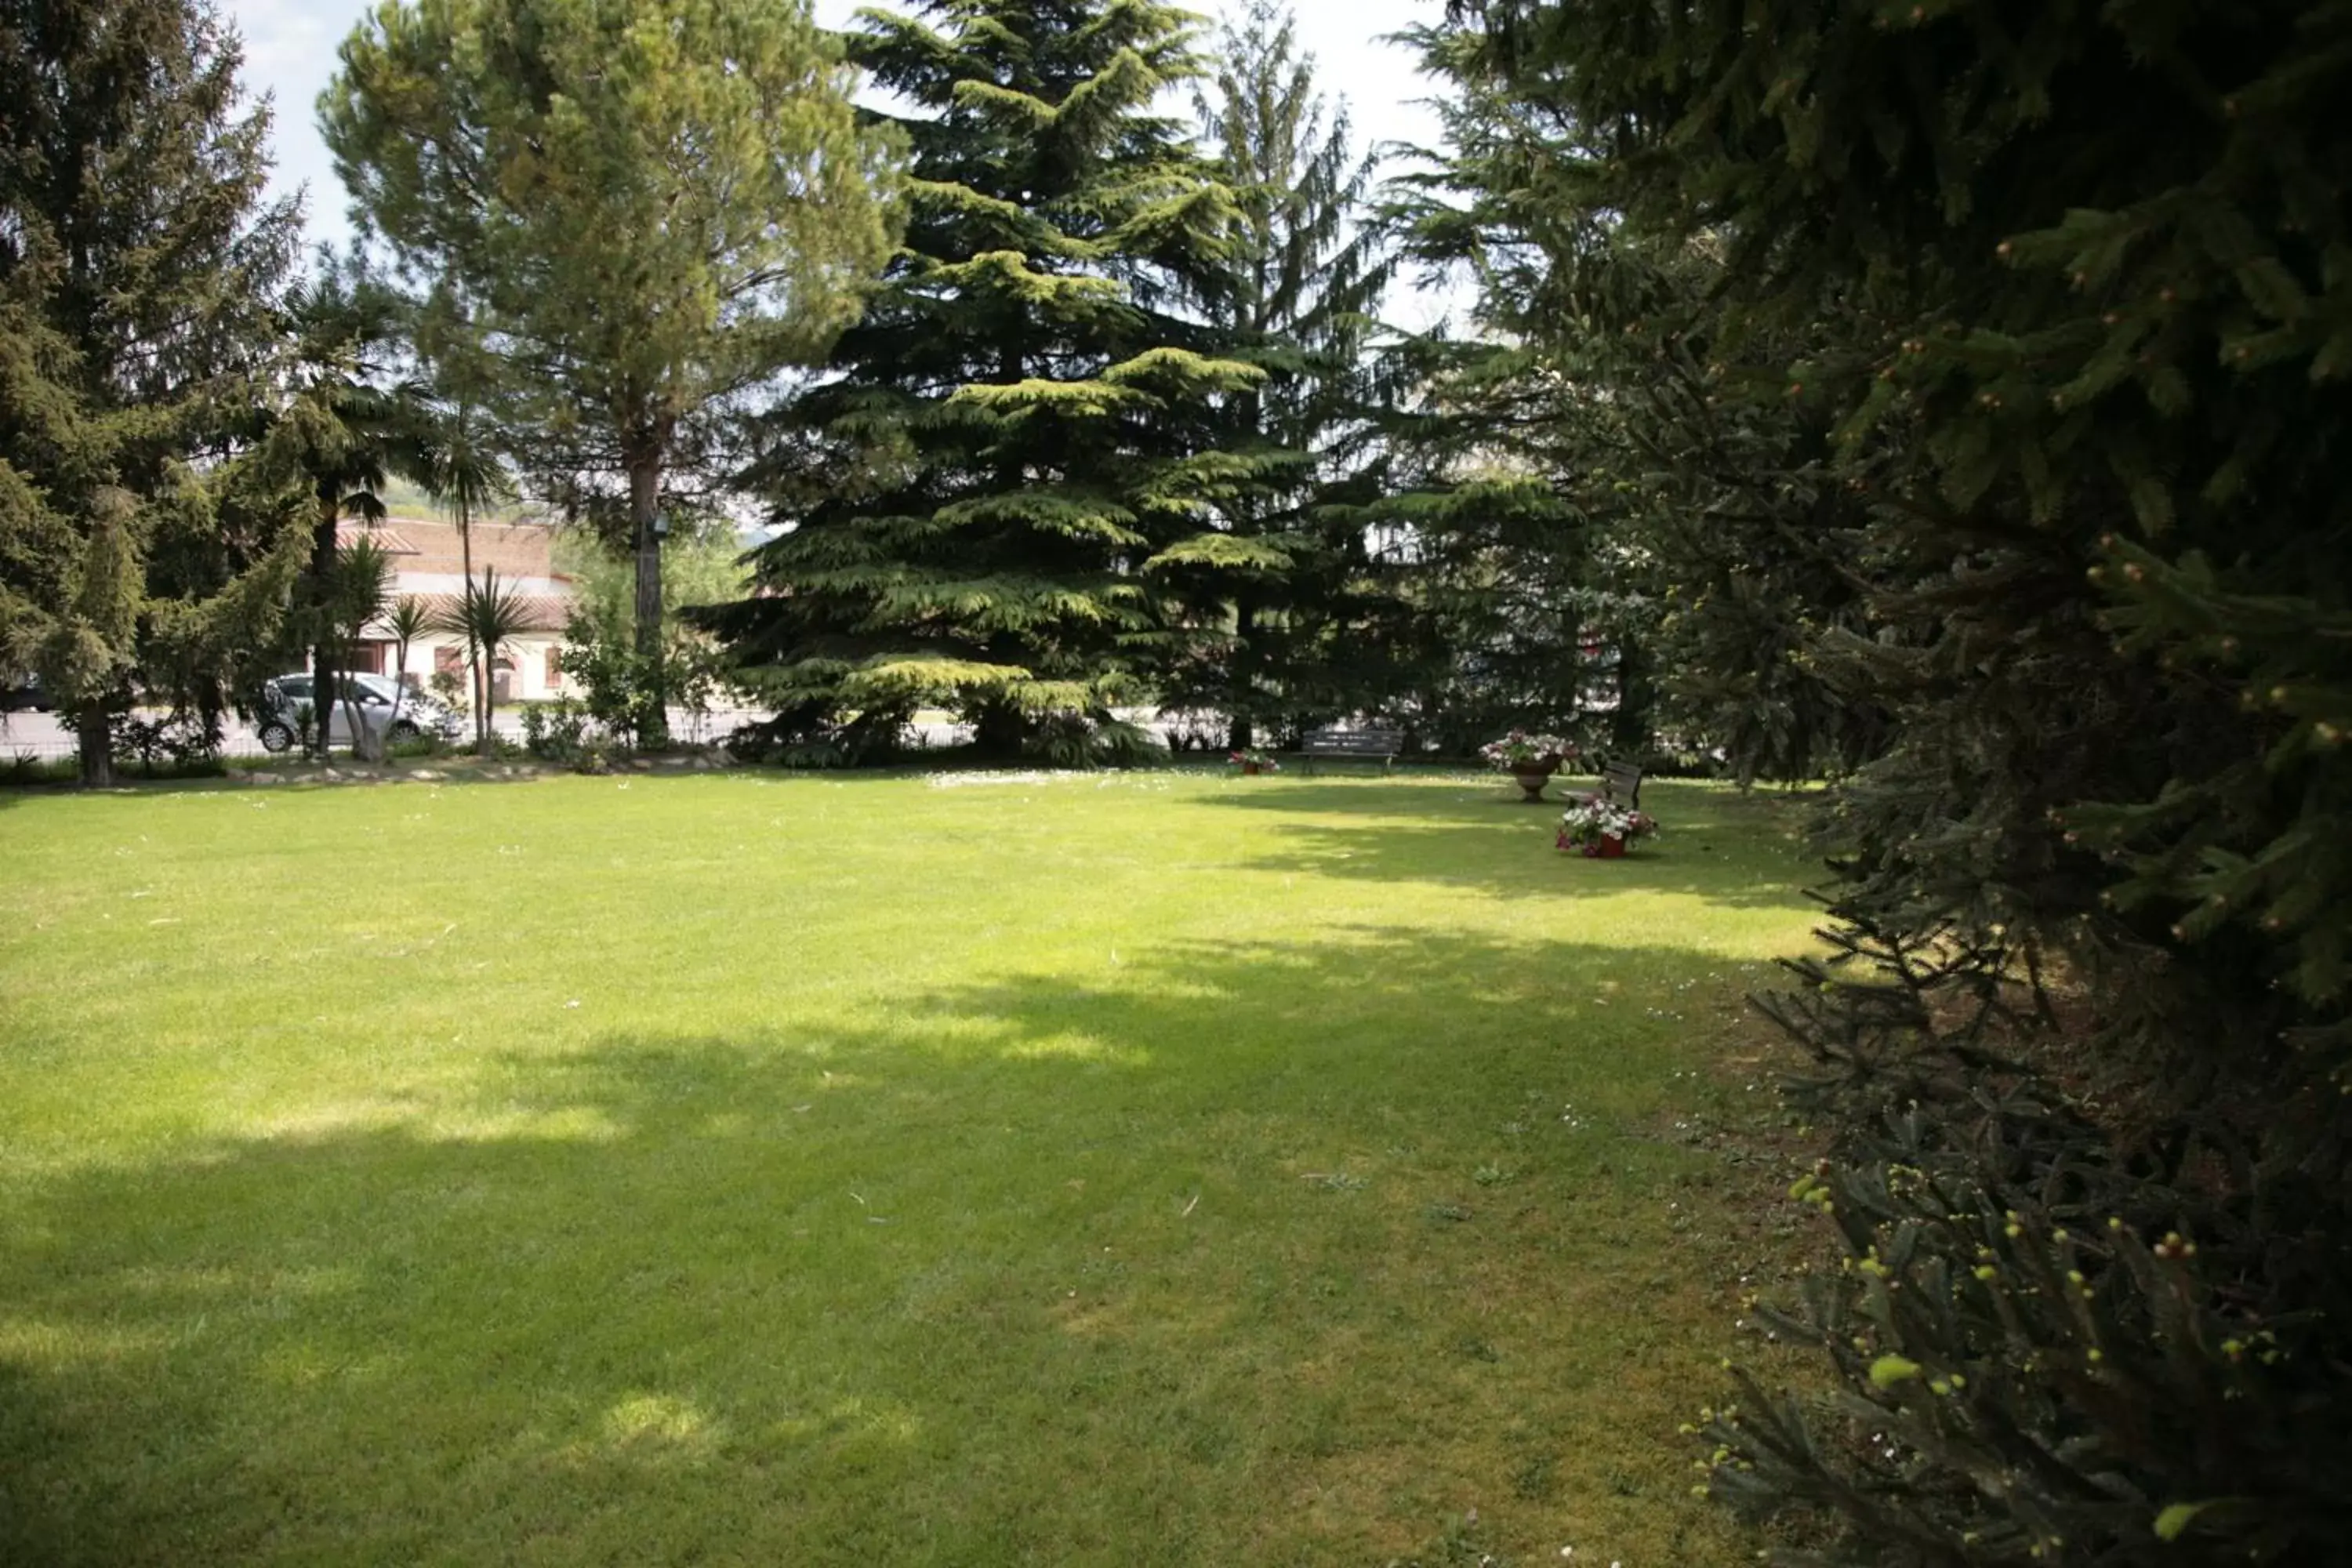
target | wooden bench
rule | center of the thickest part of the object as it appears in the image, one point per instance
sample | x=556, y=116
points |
x=1620, y=782
x=1336, y=744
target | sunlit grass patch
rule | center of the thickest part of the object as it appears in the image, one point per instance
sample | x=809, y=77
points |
x=1164, y=1168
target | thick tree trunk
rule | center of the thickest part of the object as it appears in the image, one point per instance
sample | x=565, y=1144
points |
x=998, y=731
x=1240, y=733
x=96, y=747
x=1629, y=727
x=645, y=510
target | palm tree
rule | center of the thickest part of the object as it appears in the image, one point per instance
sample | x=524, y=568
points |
x=406, y=620
x=489, y=615
x=464, y=474
x=350, y=424
x=362, y=592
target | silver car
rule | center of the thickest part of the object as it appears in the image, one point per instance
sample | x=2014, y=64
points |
x=286, y=705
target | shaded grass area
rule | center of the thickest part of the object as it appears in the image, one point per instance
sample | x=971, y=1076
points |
x=1156, y=1169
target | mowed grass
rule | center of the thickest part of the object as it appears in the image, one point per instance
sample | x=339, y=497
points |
x=737, y=1168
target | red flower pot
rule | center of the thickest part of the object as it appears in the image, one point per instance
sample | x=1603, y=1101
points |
x=1251, y=770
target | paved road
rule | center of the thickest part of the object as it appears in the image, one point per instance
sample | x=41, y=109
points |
x=41, y=734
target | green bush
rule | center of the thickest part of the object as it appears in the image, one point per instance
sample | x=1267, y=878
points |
x=2054, y=1338
x=627, y=694
x=1097, y=740
x=564, y=730
x=812, y=735
x=24, y=768
x=178, y=745
x=2042, y=1356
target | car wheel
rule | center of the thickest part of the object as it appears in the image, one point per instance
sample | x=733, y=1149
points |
x=405, y=731
x=277, y=736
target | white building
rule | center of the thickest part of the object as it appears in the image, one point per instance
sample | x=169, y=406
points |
x=429, y=564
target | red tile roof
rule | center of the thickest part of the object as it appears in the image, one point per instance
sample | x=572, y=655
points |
x=424, y=544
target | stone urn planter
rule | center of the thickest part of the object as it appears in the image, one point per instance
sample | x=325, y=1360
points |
x=1531, y=777
x=1531, y=760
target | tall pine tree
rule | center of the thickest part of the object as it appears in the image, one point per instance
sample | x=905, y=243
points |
x=138, y=270
x=1687, y=541
x=1028, y=412
x=1270, y=587
x=2063, y=289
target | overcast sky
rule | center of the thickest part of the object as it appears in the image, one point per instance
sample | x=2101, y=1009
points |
x=289, y=53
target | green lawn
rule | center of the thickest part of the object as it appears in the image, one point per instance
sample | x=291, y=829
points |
x=1158, y=1168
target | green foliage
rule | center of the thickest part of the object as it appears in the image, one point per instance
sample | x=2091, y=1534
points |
x=350, y=422
x=1672, y=552
x=638, y=213
x=1978, y=1319
x=1097, y=740
x=700, y=566
x=176, y=745
x=2026, y=323
x=464, y=472
x=566, y=731
x=489, y=615
x=1028, y=412
x=138, y=266
x=1495, y=591
x=2051, y=1345
x=1268, y=603
x=620, y=684
x=623, y=683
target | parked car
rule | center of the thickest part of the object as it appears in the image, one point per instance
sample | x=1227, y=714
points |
x=286, y=705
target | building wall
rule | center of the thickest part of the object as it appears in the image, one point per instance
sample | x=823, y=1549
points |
x=532, y=679
x=428, y=564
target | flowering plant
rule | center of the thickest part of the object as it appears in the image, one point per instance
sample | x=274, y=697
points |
x=1597, y=817
x=1518, y=752
x=1254, y=757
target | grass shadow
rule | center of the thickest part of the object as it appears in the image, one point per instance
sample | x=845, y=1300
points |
x=1191, y=1262
x=1714, y=845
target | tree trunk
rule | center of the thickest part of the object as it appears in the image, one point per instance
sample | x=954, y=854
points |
x=362, y=748
x=464, y=513
x=97, y=748
x=645, y=510
x=322, y=658
x=1629, y=727
x=1240, y=733
x=399, y=699
x=998, y=729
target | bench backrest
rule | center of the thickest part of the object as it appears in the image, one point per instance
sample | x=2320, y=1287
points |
x=1622, y=781
x=1352, y=742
